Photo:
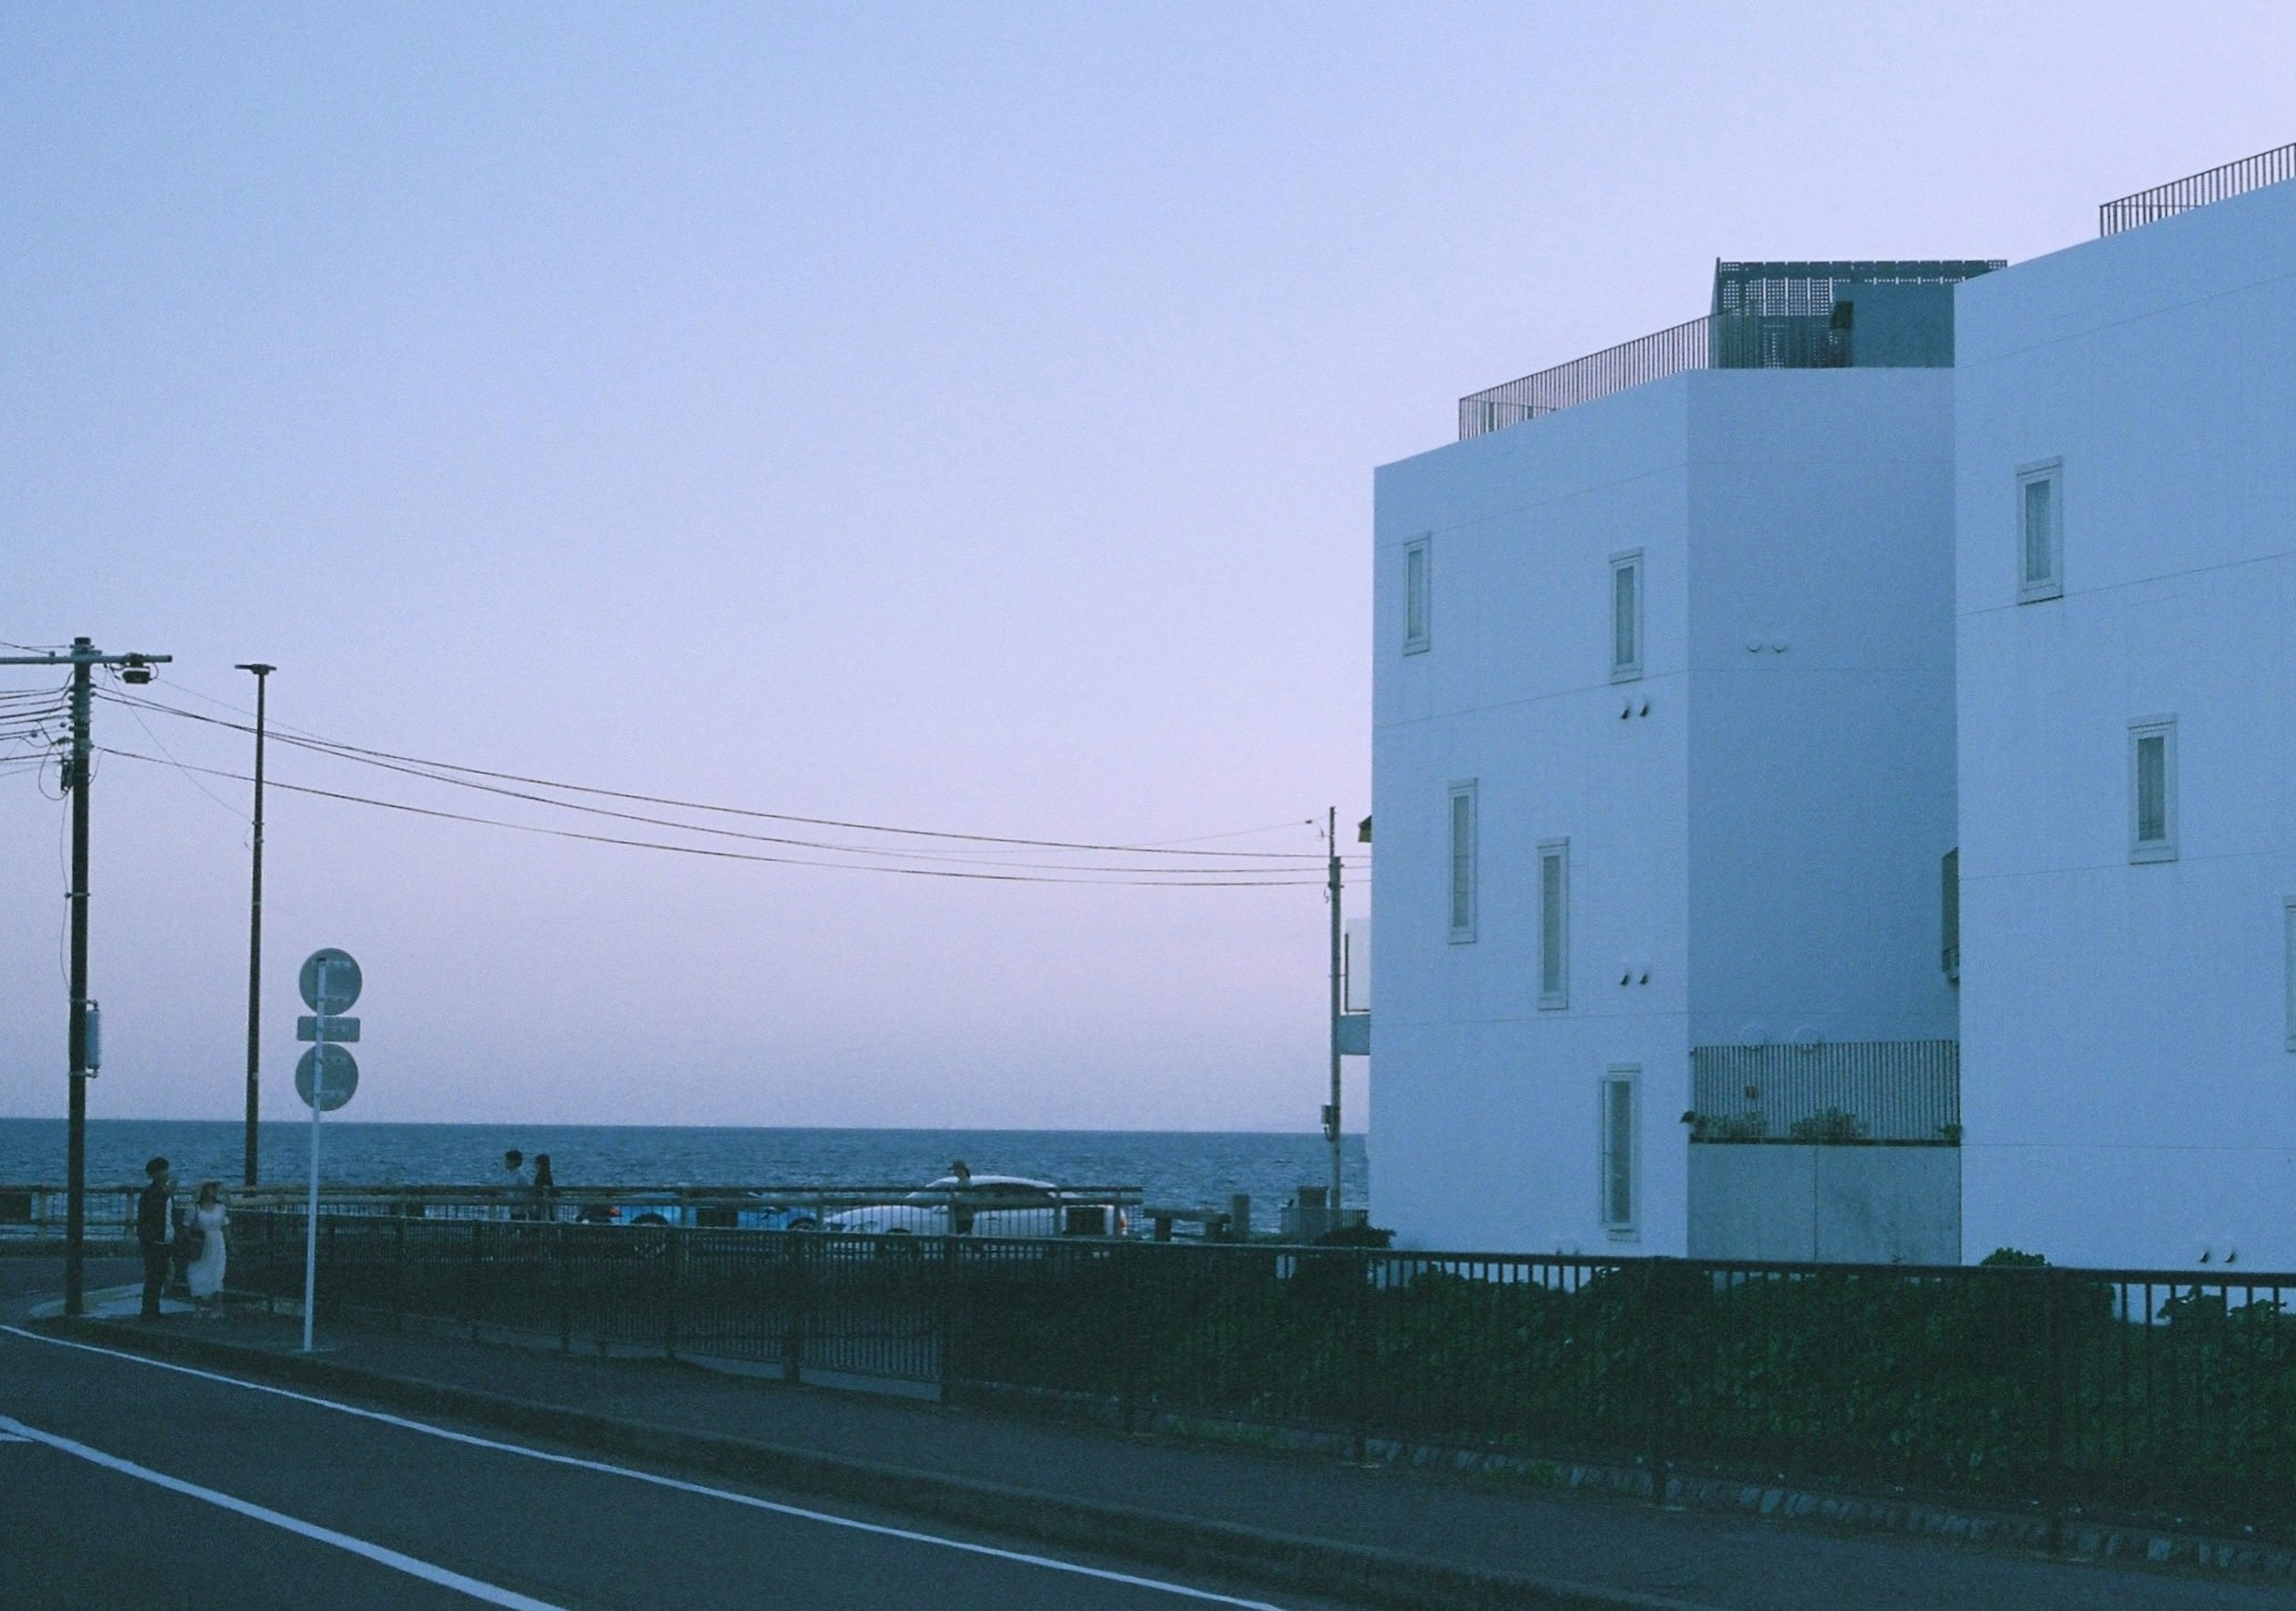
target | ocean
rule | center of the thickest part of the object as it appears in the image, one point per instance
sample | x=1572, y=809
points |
x=1173, y=1168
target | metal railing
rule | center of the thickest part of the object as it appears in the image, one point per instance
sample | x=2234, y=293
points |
x=1766, y=316
x=2198, y=189
x=1598, y=374
x=1857, y=1091
x=2142, y=1391
x=38, y=1211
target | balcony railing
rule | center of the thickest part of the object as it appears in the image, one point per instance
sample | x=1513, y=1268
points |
x=1900, y=1091
x=2183, y=195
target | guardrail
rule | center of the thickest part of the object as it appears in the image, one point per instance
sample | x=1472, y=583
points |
x=991, y=1208
x=2140, y=1391
x=2197, y=189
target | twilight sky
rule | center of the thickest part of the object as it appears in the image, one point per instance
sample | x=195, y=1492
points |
x=957, y=418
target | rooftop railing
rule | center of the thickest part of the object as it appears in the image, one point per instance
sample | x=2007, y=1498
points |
x=2199, y=190
x=1766, y=316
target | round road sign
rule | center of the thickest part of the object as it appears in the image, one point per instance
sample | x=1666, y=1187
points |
x=332, y=1070
x=340, y=973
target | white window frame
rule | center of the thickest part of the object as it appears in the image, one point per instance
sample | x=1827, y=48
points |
x=2288, y=952
x=1421, y=549
x=1555, y=995
x=2051, y=472
x=1628, y=1074
x=1627, y=668
x=1468, y=791
x=2164, y=728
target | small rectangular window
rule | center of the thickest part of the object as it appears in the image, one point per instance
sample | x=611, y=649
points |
x=1416, y=596
x=2152, y=789
x=1554, y=923
x=2288, y=954
x=1626, y=616
x=1462, y=862
x=1949, y=947
x=1621, y=1145
x=2040, y=532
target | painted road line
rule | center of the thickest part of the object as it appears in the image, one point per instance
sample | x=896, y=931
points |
x=17, y=1431
x=675, y=1485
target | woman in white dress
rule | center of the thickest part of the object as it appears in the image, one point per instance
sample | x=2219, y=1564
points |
x=205, y=1272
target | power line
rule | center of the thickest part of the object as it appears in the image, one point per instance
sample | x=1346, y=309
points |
x=449, y=772
x=1159, y=878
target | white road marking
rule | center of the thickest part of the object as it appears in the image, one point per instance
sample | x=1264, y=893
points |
x=17, y=1432
x=675, y=1484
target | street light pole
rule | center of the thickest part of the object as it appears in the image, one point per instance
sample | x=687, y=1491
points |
x=83, y=658
x=255, y=929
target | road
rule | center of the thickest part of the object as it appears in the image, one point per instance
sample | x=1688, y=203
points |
x=125, y=1482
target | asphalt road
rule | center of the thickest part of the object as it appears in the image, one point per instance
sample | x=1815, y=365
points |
x=338, y=1508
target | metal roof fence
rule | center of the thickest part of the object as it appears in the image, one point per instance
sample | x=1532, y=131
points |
x=2221, y=184
x=1765, y=315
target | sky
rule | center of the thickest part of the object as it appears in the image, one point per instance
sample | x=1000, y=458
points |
x=934, y=417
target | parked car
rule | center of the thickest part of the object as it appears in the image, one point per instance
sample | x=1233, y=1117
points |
x=742, y=1211
x=982, y=1205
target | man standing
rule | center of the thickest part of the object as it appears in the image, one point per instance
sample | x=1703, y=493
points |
x=521, y=1183
x=155, y=1225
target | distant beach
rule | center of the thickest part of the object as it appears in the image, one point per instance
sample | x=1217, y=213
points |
x=1178, y=1167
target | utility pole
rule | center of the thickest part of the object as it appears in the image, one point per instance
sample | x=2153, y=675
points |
x=255, y=929
x=1331, y=1112
x=83, y=658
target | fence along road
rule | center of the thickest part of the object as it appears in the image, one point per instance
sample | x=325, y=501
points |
x=2130, y=1392
x=119, y=1473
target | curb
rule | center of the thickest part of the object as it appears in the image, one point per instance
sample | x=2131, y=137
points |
x=1326, y=1567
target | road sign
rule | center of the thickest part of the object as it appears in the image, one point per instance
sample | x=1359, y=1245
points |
x=342, y=1029
x=331, y=1070
x=339, y=970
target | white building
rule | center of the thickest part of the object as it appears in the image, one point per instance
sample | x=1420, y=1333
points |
x=1664, y=771
x=2125, y=452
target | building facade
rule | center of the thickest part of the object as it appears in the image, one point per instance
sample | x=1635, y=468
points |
x=1663, y=769
x=2126, y=518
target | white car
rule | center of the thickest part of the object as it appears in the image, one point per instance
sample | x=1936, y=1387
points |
x=982, y=1205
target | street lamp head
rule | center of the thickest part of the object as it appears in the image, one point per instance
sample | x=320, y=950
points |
x=257, y=666
x=137, y=670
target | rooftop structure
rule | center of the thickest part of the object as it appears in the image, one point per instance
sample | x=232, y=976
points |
x=1765, y=315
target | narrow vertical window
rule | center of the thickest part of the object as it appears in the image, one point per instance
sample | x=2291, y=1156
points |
x=2152, y=789
x=1416, y=580
x=2288, y=956
x=1626, y=616
x=2040, y=532
x=1462, y=862
x=1621, y=1143
x=1554, y=923
x=1949, y=925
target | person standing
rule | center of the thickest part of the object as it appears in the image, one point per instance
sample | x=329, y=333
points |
x=545, y=1188
x=519, y=1182
x=204, y=1275
x=154, y=1227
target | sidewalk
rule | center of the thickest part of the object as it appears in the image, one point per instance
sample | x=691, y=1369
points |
x=1396, y=1536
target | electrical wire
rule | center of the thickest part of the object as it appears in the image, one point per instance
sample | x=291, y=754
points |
x=1221, y=878
x=458, y=775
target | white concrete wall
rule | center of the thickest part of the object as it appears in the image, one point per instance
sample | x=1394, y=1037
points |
x=1822, y=762
x=1764, y=841
x=2128, y=1093
x=1829, y=1204
x=1484, y=1129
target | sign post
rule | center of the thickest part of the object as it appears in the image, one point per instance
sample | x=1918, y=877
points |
x=325, y=1078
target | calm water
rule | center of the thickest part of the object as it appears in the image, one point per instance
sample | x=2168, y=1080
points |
x=1181, y=1168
